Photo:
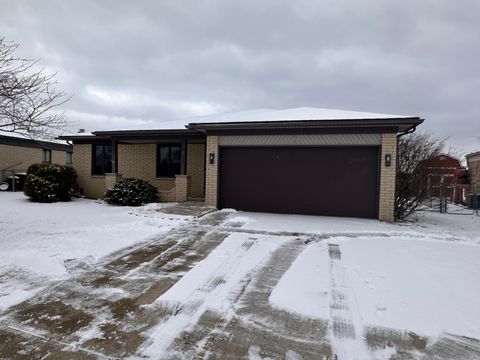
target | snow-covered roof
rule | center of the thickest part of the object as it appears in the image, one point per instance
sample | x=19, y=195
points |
x=299, y=113
x=472, y=154
x=25, y=137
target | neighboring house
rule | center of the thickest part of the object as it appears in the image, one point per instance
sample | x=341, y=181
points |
x=445, y=176
x=18, y=153
x=297, y=161
x=473, y=164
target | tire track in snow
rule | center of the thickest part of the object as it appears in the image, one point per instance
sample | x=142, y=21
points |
x=222, y=279
x=346, y=328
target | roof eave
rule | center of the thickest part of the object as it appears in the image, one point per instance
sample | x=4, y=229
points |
x=402, y=123
x=44, y=144
x=145, y=132
x=76, y=137
x=96, y=135
x=472, y=154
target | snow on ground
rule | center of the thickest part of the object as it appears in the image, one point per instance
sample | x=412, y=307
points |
x=44, y=241
x=462, y=225
x=419, y=276
x=211, y=285
x=308, y=224
x=458, y=226
x=424, y=281
x=425, y=286
x=306, y=298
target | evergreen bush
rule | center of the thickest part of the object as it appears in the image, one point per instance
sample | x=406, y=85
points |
x=131, y=192
x=50, y=183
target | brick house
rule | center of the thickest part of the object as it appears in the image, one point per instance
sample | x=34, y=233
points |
x=297, y=161
x=18, y=153
x=473, y=164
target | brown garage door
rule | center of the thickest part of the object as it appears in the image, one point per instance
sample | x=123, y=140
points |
x=334, y=181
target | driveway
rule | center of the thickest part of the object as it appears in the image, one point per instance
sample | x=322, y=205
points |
x=228, y=285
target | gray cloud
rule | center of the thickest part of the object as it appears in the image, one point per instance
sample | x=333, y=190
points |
x=134, y=64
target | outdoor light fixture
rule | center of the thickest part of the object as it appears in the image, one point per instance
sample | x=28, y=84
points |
x=388, y=160
x=211, y=158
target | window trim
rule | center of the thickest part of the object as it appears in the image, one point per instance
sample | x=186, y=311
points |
x=46, y=159
x=69, y=157
x=157, y=160
x=93, y=173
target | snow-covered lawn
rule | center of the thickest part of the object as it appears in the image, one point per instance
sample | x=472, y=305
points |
x=42, y=242
x=235, y=273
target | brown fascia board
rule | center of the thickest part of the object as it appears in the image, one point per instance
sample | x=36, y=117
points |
x=196, y=129
x=76, y=137
x=125, y=135
x=472, y=154
x=160, y=132
x=403, y=124
x=116, y=133
x=31, y=143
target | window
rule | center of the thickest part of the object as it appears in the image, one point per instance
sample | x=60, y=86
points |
x=169, y=159
x=46, y=156
x=101, y=159
x=69, y=158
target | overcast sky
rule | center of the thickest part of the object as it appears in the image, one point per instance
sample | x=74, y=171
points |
x=136, y=63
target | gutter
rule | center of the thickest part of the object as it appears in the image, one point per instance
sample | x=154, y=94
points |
x=305, y=124
x=408, y=131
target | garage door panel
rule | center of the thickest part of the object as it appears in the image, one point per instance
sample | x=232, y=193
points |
x=337, y=181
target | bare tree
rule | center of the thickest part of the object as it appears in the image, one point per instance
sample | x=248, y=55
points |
x=413, y=150
x=28, y=97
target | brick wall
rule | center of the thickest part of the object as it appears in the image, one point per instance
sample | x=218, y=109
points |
x=92, y=186
x=11, y=155
x=473, y=163
x=211, y=172
x=387, y=178
x=59, y=157
x=182, y=188
x=196, y=169
x=167, y=195
x=139, y=161
x=111, y=179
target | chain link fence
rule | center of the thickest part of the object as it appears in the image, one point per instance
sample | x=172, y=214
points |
x=456, y=199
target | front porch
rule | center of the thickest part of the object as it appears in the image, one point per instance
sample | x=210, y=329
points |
x=173, y=162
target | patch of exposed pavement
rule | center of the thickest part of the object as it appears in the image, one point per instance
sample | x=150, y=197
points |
x=255, y=323
x=99, y=311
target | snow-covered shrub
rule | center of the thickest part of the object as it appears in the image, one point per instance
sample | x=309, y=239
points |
x=50, y=182
x=39, y=189
x=131, y=192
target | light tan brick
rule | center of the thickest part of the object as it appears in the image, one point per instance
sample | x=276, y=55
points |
x=211, y=171
x=139, y=161
x=387, y=178
x=26, y=156
x=91, y=186
x=473, y=163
